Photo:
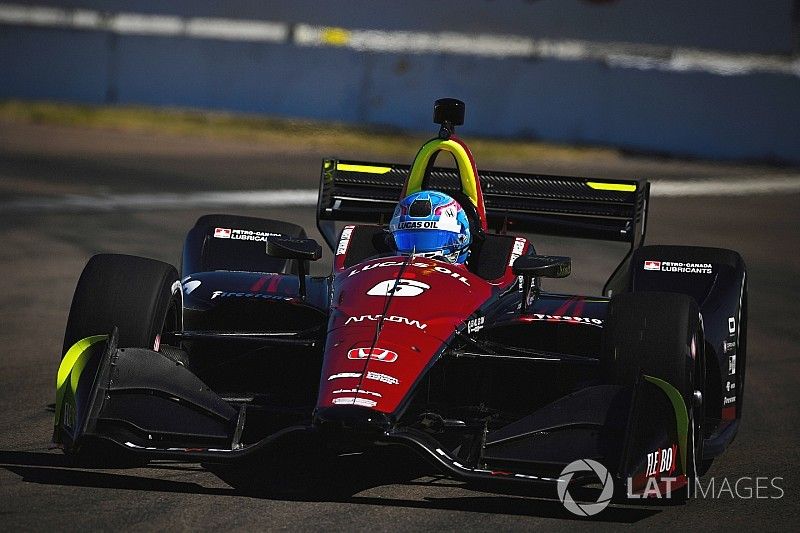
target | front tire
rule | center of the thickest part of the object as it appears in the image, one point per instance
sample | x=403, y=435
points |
x=661, y=335
x=132, y=293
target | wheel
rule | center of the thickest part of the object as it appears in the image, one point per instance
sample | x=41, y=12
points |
x=132, y=293
x=661, y=335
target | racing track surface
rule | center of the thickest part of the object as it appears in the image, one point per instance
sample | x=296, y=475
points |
x=42, y=253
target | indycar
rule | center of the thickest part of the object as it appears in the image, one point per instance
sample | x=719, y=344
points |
x=477, y=367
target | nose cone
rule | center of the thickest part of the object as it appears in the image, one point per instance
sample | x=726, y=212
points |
x=379, y=344
x=352, y=419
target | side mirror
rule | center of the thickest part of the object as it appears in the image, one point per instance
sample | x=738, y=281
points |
x=288, y=248
x=300, y=249
x=539, y=266
x=542, y=266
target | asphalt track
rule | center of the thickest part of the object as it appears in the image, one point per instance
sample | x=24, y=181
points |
x=42, y=253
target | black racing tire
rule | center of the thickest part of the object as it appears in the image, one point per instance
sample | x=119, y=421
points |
x=132, y=293
x=660, y=334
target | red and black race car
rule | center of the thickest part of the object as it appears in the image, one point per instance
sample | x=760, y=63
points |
x=477, y=367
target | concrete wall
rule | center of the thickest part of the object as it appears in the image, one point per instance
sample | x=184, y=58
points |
x=751, y=115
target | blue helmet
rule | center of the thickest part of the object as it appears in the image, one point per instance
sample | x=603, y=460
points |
x=431, y=224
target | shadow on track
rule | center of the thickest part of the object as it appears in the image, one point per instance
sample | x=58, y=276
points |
x=306, y=478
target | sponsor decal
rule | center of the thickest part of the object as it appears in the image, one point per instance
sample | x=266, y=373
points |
x=728, y=401
x=398, y=287
x=730, y=385
x=243, y=234
x=731, y=364
x=419, y=224
x=383, y=378
x=475, y=324
x=519, y=245
x=418, y=264
x=728, y=346
x=68, y=417
x=680, y=267
x=571, y=319
x=662, y=460
x=731, y=325
x=344, y=241
x=356, y=391
x=341, y=375
x=189, y=286
x=392, y=318
x=447, y=222
x=384, y=264
x=456, y=275
x=374, y=354
x=256, y=295
x=351, y=400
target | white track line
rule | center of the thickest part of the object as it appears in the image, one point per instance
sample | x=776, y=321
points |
x=148, y=202
x=638, y=56
x=308, y=197
x=723, y=187
x=145, y=24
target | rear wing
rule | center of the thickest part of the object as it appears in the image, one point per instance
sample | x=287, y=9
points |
x=612, y=210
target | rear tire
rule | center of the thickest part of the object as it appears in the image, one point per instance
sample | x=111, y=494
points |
x=661, y=335
x=132, y=293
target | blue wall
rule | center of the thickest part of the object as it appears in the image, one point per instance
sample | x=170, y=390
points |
x=700, y=114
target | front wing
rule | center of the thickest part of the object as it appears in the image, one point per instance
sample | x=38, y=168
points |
x=150, y=405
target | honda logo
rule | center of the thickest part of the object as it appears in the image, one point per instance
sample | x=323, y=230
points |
x=376, y=354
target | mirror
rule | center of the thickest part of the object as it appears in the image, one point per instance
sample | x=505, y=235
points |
x=289, y=248
x=539, y=266
x=542, y=266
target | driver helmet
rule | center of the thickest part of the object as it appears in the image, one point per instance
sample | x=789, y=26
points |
x=431, y=224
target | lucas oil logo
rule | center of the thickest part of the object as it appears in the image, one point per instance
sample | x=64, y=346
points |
x=418, y=224
x=374, y=354
x=662, y=460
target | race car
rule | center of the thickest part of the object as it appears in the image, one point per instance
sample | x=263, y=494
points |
x=476, y=366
